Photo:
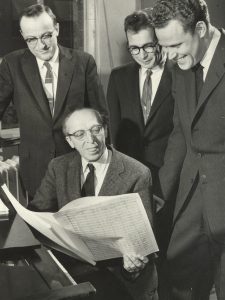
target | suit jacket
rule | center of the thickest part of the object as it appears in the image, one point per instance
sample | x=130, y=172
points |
x=197, y=143
x=61, y=185
x=41, y=137
x=146, y=143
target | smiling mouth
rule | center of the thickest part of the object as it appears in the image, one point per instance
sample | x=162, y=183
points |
x=147, y=61
x=94, y=149
x=180, y=58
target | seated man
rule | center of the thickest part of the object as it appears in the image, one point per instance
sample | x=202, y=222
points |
x=94, y=169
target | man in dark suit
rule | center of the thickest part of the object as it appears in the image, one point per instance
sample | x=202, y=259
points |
x=195, y=152
x=113, y=174
x=141, y=129
x=43, y=94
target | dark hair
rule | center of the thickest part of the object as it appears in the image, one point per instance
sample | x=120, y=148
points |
x=142, y=19
x=188, y=12
x=36, y=10
x=138, y=20
x=102, y=120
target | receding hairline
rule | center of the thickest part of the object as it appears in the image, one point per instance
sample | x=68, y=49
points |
x=97, y=114
x=37, y=10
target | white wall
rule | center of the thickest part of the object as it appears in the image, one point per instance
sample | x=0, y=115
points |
x=104, y=33
x=111, y=41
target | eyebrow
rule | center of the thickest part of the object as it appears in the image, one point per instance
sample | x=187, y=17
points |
x=149, y=43
x=36, y=37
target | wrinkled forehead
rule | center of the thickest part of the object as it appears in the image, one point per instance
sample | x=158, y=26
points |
x=145, y=35
x=171, y=34
x=81, y=120
x=36, y=25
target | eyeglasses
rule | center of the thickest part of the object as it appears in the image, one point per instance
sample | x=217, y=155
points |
x=45, y=39
x=149, y=48
x=81, y=134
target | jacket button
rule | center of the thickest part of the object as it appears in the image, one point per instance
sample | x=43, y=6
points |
x=203, y=179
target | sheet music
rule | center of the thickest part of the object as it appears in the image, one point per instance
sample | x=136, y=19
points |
x=110, y=226
x=95, y=228
x=46, y=224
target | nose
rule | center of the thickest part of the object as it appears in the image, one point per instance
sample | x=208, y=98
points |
x=143, y=53
x=89, y=137
x=40, y=43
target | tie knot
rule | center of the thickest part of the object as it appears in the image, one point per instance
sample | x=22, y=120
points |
x=198, y=67
x=47, y=65
x=148, y=72
x=148, y=76
x=91, y=168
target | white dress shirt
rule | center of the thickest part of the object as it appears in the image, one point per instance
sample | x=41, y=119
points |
x=101, y=167
x=206, y=61
x=155, y=77
x=54, y=62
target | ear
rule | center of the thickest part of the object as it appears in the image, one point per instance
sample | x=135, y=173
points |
x=106, y=132
x=68, y=139
x=159, y=53
x=57, y=28
x=201, y=28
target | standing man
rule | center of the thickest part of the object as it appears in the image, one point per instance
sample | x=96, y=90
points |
x=196, y=149
x=45, y=82
x=139, y=97
x=92, y=169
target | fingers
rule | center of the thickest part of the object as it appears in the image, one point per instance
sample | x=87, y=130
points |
x=134, y=262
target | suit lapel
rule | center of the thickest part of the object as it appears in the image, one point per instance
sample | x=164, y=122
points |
x=74, y=177
x=215, y=73
x=32, y=75
x=112, y=181
x=188, y=80
x=132, y=86
x=162, y=92
x=66, y=70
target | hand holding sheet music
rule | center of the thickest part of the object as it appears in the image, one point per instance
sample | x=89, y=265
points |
x=95, y=228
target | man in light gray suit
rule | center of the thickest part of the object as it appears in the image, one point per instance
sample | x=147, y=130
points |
x=94, y=169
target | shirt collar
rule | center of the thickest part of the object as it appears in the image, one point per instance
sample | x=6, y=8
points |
x=156, y=68
x=206, y=60
x=104, y=159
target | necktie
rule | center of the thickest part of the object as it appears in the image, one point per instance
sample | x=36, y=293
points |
x=146, y=95
x=88, y=188
x=49, y=86
x=198, y=80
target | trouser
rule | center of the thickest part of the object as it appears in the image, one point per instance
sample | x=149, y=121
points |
x=194, y=260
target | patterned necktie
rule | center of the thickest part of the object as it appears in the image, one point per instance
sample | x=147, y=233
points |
x=49, y=86
x=198, y=80
x=146, y=95
x=88, y=188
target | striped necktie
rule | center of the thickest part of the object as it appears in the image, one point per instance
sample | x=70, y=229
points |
x=49, y=86
x=146, y=95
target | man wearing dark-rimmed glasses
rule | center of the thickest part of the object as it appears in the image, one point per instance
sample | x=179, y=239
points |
x=99, y=171
x=139, y=97
x=45, y=81
x=141, y=104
